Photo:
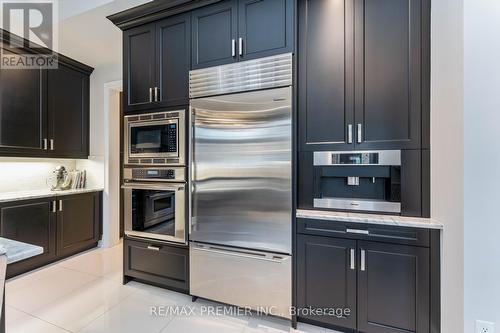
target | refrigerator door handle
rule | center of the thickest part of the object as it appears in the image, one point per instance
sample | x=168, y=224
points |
x=217, y=250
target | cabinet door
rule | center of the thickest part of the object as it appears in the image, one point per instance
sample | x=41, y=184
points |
x=326, y=279
x=388, y=91
x=68, y=105
x=157, y=263
x=31, y=222
x=23, y=121
x=325, y=77
x=174, y=59
x=77, y=223
x=139, y=67
x=214, y=34
x=393, y=288
x=265, y=28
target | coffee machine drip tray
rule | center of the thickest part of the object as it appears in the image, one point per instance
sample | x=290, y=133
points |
x=358, y=204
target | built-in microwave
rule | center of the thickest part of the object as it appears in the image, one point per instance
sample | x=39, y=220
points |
x=155, y=138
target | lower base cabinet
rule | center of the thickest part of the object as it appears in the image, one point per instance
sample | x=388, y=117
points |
x=157, y=263
x=63, y=226
x=386, y=287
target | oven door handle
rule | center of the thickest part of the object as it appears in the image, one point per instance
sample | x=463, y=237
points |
x=160, y=187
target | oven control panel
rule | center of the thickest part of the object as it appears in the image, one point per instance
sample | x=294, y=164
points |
x=155, y=174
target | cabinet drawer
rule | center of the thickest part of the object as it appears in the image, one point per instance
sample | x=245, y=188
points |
x=157, y=263
x=372, y=232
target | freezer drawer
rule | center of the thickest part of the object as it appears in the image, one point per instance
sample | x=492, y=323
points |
x=258, y=280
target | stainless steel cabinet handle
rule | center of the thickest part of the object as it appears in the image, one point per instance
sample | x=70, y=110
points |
x=363, y=260
x=156, y=94
x=51, y=144
x=45, y=144
x=60, y=205
x=153, y=248
x=150, y=95
x=353, y=259
x=358, y=231
x=275, y=259
x=54, y=206
x=360, y=133
x=349, y=133
x=240, y=46
x=233, y=48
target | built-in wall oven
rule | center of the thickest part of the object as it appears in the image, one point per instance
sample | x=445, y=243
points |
x=155, y=138
x=155, y=203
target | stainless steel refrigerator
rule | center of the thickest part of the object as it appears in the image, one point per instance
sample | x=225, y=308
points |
x=241, y=188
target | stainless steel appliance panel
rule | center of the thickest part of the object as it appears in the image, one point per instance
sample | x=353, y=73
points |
x=162, y=222
x=263, y=73
x=241, y=170
x=258, y=280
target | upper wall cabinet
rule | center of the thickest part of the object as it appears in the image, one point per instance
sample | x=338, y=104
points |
x=233, y=31
x=156, y=64
x=23, y=121
x=214, y=35
x=45, y=112
x=68, y=110
x=360, y=74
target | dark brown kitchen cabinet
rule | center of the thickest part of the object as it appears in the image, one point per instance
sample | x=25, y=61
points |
x=32, y=222
x=265, y=28
x=23, y=110
x=327, y=277
x=174, y=38
x=44, y=112
x=393, y=288
x=371, y=270
x=377, y=106
x=215, y=34
x=62, y=225
x=78, y=220
x=388, y=44
x=139, y=61
x=233, y=30
x=68, y=110
x=156, y=64
x=156, y=262
x=325, y=74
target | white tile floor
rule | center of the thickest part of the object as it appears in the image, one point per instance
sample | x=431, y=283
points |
x=85, y=294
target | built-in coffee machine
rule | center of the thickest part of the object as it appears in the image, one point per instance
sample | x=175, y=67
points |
x=385, y=181
x=366, y=181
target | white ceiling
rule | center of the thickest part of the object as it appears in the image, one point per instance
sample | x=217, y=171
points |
x=85, y=33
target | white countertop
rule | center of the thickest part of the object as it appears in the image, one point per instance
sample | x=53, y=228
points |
x=393, y=220
x=36, y=194
x=17, y=251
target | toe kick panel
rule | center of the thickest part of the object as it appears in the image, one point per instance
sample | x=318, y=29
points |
x=258, y=280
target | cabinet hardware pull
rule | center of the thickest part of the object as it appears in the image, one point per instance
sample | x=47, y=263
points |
x=360, y=133
x=240, y=46
x=51, y=144
x=150, y=95
x=45, y=144
x=349, y=133
x=60, y=205
x=353, y=259
x=363, y=260
x=153, y=248
x=54, y=206
x=358, y=231
x=156, y=94
x=233, y=48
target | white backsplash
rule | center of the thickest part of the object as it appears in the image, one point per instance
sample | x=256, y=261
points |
x=22, y=174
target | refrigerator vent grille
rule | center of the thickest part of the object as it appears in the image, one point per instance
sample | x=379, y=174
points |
x=263, y=73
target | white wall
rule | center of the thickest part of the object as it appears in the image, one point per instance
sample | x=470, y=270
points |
x=482, y=162
x=19, y=174
x=447, y=157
